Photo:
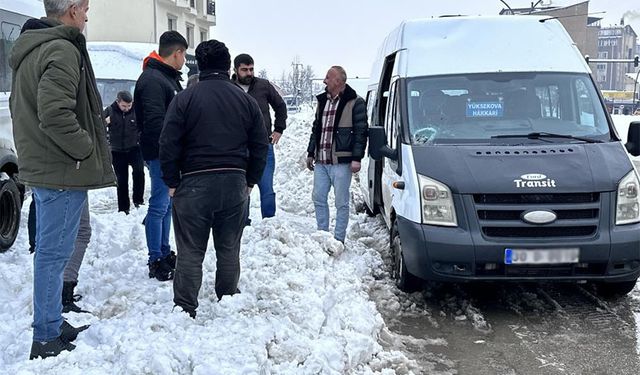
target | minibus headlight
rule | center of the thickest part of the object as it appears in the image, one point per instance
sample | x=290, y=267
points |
x=437, y=203
x=628, y=200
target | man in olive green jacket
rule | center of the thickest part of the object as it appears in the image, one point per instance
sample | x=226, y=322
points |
x=62, y=148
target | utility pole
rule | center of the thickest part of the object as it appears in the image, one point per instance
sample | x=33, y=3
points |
x=296, y=77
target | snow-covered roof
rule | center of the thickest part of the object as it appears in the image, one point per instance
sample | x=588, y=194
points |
x=480, y=44
x=120, y=60
x=32, y=8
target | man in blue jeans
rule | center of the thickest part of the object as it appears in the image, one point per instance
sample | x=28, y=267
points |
x=155, y=89
x=336, y=146
x=62, y=144
x=266, y=95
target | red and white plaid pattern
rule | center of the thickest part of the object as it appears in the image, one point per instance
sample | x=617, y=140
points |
x=326, y=136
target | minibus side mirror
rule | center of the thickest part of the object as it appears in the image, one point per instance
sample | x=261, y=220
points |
x=378, y=145
x=633, y=139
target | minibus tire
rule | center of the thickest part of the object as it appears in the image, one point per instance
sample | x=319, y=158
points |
x=10, y=205
x=405, y=281
x=615, y=290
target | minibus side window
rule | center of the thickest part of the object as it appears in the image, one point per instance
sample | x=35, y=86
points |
x=390, y=123
x=371, y=106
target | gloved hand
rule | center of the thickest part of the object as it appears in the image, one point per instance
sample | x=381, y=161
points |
x=310, y=163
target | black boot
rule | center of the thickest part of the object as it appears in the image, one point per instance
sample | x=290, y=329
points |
x=52, y=348
x=69, y=299
x=69, y=333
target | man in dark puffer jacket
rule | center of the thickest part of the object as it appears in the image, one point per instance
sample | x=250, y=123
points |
x=155, y=89
x=125, y=150
x=336, y=146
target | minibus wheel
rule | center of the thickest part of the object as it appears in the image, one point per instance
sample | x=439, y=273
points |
x=615, y=290
x=405, y=281
x=10, y=205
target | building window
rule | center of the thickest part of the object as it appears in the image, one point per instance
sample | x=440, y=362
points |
x=211, y=7
x=172, y=23
x=190, y=34
x=203, y=35
x=192, y=3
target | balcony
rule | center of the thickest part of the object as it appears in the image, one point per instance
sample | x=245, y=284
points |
x=211, y=11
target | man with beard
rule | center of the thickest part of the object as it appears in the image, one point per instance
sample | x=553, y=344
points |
x=266, y=95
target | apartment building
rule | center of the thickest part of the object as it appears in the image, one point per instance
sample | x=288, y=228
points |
x=145, y=20
x=615, y=42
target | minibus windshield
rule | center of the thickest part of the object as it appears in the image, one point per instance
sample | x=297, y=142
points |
x=497, y=107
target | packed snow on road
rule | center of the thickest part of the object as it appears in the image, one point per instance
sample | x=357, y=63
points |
x=300, y=310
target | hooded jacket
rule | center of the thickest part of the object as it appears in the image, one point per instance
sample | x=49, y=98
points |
x=155, y=88
x=56, y=110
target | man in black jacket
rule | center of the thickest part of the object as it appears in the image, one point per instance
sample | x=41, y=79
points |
x=213, y=149
x=125, y=151
x=156, y=87
x=266, y=95
x=336, y=146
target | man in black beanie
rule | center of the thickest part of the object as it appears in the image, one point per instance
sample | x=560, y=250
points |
x=213, y=150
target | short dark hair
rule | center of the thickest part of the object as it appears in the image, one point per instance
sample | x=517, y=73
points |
x=242, y=58
x=213, y=55
x=170, y=41
x=124, y=96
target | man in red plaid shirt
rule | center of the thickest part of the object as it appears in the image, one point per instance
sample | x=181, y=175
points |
x=336, y=146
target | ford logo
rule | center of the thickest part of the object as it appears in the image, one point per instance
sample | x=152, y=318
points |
x=539, y=217
x=533, y=177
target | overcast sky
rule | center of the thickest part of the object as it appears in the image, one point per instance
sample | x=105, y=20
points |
x=348, y=32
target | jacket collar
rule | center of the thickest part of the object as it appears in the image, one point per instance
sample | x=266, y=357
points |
x=207, y=75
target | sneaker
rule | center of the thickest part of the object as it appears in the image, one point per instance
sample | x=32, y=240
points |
x=171, y=260
x=69, y=333
x=44, y=349
x=161, y=270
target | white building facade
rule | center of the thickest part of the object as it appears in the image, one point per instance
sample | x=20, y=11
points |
x=145, y=20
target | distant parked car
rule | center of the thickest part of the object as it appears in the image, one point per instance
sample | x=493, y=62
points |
x=293, y=103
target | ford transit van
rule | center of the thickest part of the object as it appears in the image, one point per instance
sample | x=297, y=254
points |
x=492, y=157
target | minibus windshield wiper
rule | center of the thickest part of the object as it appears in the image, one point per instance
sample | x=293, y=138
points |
x=539, y=135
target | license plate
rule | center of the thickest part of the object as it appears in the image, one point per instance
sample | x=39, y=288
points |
x=541, y=256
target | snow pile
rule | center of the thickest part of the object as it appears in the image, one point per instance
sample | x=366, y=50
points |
x=300, y=310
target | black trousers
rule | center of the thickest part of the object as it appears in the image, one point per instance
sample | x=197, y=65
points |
x=121, y=162
x=202, y=204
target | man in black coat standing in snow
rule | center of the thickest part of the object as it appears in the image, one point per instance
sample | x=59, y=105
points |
x=125, y=150
x=155, y=89
x=213, y=150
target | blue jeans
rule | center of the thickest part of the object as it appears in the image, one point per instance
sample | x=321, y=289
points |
x=267, y=195
x=324, y=177
x=157, y=224
x=57, y=221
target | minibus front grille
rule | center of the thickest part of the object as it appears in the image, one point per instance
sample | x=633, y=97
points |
x=536, y=198
x=501, y=215
x=541, y=231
